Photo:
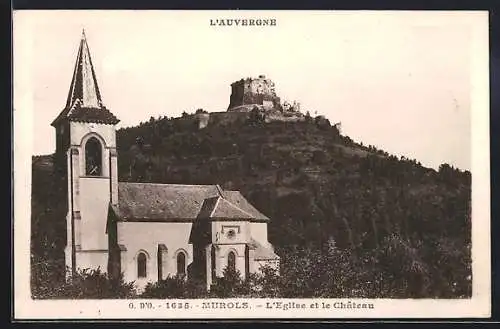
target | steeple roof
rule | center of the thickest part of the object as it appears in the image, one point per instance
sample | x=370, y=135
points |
x=84, y=101
x=84, y=83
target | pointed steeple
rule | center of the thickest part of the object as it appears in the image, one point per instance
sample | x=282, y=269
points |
x=84, y=83
x=84, y=102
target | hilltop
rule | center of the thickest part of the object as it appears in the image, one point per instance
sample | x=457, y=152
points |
x=390, y=221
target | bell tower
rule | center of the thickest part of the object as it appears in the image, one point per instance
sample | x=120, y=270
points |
x=86, y=156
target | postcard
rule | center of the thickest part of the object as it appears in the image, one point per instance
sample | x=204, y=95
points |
x=251, y=164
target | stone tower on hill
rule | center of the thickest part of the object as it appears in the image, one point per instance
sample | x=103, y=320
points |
x=250, y=92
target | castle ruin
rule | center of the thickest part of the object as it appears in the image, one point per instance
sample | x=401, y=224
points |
x=250, y=92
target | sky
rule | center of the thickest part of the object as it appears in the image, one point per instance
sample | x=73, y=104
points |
x=401, y=81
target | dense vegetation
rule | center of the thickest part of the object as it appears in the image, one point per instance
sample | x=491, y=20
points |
x=347, y=220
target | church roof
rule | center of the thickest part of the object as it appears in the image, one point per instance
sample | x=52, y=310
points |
x=90, y=114
x=174, y=202
x=237, y=199
x=84, y=102
x=220, y=208
x=225, y=209
x=208, y=206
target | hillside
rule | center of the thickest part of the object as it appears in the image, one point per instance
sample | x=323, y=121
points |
x=374, y=224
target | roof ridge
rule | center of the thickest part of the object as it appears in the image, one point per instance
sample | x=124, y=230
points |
x=215, y=206
x=233, y=205
x=249, y=204
x=219, y=189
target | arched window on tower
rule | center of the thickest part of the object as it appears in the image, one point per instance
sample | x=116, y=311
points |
x=141, y=265
x=181, y=264
x=231, y=261
x=93, y=157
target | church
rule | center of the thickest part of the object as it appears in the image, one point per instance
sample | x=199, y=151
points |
x=145, y=231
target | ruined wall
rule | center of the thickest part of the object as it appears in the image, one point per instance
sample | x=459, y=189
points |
x=225, y=118
x=280, y=117
x=241, y=115
x=246, y=95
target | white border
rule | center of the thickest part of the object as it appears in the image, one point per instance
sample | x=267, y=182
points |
x=477, y=306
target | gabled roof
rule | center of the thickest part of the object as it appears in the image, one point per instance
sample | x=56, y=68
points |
x=147, y=201
x=238, y=200
x=230, y=204
x=84, y=102
x=225, y=209
x=175, y=202
x=89, y=114
x=208, y=206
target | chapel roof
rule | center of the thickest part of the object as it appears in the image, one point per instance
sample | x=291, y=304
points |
x=176, y=202
x=84, y=102
x=90, y=114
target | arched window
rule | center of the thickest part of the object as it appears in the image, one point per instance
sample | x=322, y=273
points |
x=181, y=264
x=231, y=261
x=93, y=157
x=141, y=265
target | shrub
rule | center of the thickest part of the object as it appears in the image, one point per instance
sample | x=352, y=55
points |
x=86, y=283
x=171, y=287
x=267, y=283
x=230, y=284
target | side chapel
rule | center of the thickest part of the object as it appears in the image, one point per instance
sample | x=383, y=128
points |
x=145, y=231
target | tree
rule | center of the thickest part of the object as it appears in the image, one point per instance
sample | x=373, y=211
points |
x=229, y=285
x=171, y=287
x=267, y=283
x=87, y=284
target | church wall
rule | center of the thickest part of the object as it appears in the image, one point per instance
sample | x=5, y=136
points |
x=114, y=175
x=92, y=260
x=220, y=231
x=94, y=202
x=62, y=144
x=146, y=236
x=68, y=261
x=259, y=232
x=221, y=258
x=81, y=140
x=81, y=129
x=225, y=243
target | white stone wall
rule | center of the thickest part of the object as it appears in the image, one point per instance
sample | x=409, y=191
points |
x=81, y=129
x=220, y=230
x=245, y=231
x=259, y=233
x=144, y=236
x=221, y=258
x=94, y=203
x=114, y=176
x=92, y=260
x=91, y=195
